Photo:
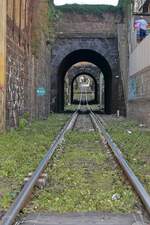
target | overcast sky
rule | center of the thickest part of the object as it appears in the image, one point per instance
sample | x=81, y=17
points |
x=107, y=2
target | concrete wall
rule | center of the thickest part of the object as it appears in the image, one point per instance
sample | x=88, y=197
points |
x=41, y=56
x=139, y=83
x=140, y=57
x=124, y=59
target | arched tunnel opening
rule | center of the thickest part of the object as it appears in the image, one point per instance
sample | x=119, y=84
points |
x=90, y=84
x=89, y=56
x=74, y=89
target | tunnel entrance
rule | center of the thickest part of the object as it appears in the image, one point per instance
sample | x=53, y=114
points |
x=82, y=83
x=88, y=56
x=86, y=85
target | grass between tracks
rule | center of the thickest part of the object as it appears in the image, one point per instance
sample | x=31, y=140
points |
x=82, y=178
x=134, y=142
x=21, y=150
x=74, y=107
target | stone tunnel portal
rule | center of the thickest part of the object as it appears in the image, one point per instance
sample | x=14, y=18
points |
x=91, y=57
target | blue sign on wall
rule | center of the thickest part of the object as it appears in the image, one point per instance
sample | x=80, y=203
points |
x=132, y=88
x=40, y=91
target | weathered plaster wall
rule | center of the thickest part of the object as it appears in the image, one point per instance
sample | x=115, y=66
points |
x=139, y=96
x=28, y=57
x=2, y=64
x=16, y=83
x=139, y=83
x=18, y=41
x=41, y=56
x=124, y=58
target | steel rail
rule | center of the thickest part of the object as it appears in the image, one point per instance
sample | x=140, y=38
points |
x=139, y=188
x=21, y=199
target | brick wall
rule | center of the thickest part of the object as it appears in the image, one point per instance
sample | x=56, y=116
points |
x=104, y=24
x=28, y=60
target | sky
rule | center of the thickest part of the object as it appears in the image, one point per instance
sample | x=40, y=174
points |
x=91, y=2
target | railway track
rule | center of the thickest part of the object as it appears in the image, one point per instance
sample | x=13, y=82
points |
x=77, y=121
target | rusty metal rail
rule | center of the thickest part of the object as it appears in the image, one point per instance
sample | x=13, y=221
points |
x=21, y=199
x=139, y=188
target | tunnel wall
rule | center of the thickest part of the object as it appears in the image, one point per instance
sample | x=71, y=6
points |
x=107, y=47
x=75, y=24
x=87, y=69
x=97, y=33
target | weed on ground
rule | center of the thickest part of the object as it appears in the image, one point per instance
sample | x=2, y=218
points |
x=21, y=150
x=81, y=178
x=134, y=142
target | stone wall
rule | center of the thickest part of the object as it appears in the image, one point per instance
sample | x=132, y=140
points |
x=107, y=48
x=97, y=33
x=87, y=69
x=73, y=23
x=17, y=81
x=28, y=60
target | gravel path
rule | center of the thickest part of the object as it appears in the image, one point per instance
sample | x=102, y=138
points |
x=84, y=123
x=83, y=219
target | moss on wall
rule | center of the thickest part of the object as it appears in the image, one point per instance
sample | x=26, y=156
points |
x=124, y=5
x=43, y=24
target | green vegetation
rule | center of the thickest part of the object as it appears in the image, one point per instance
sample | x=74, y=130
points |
x=71, y=107
x=82, y=178
x=21, y=150
x=86, y=9
x=124, y=3
x=92, y=9
x=43, y=26
x=125, y=6
x=135, y=145
x=74, y=107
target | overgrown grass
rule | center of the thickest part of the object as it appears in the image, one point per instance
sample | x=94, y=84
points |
x=71, y=107
x=21, y=150
x=81, y=179
x=135, y=145
x=74, y=107
x=86, y=9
